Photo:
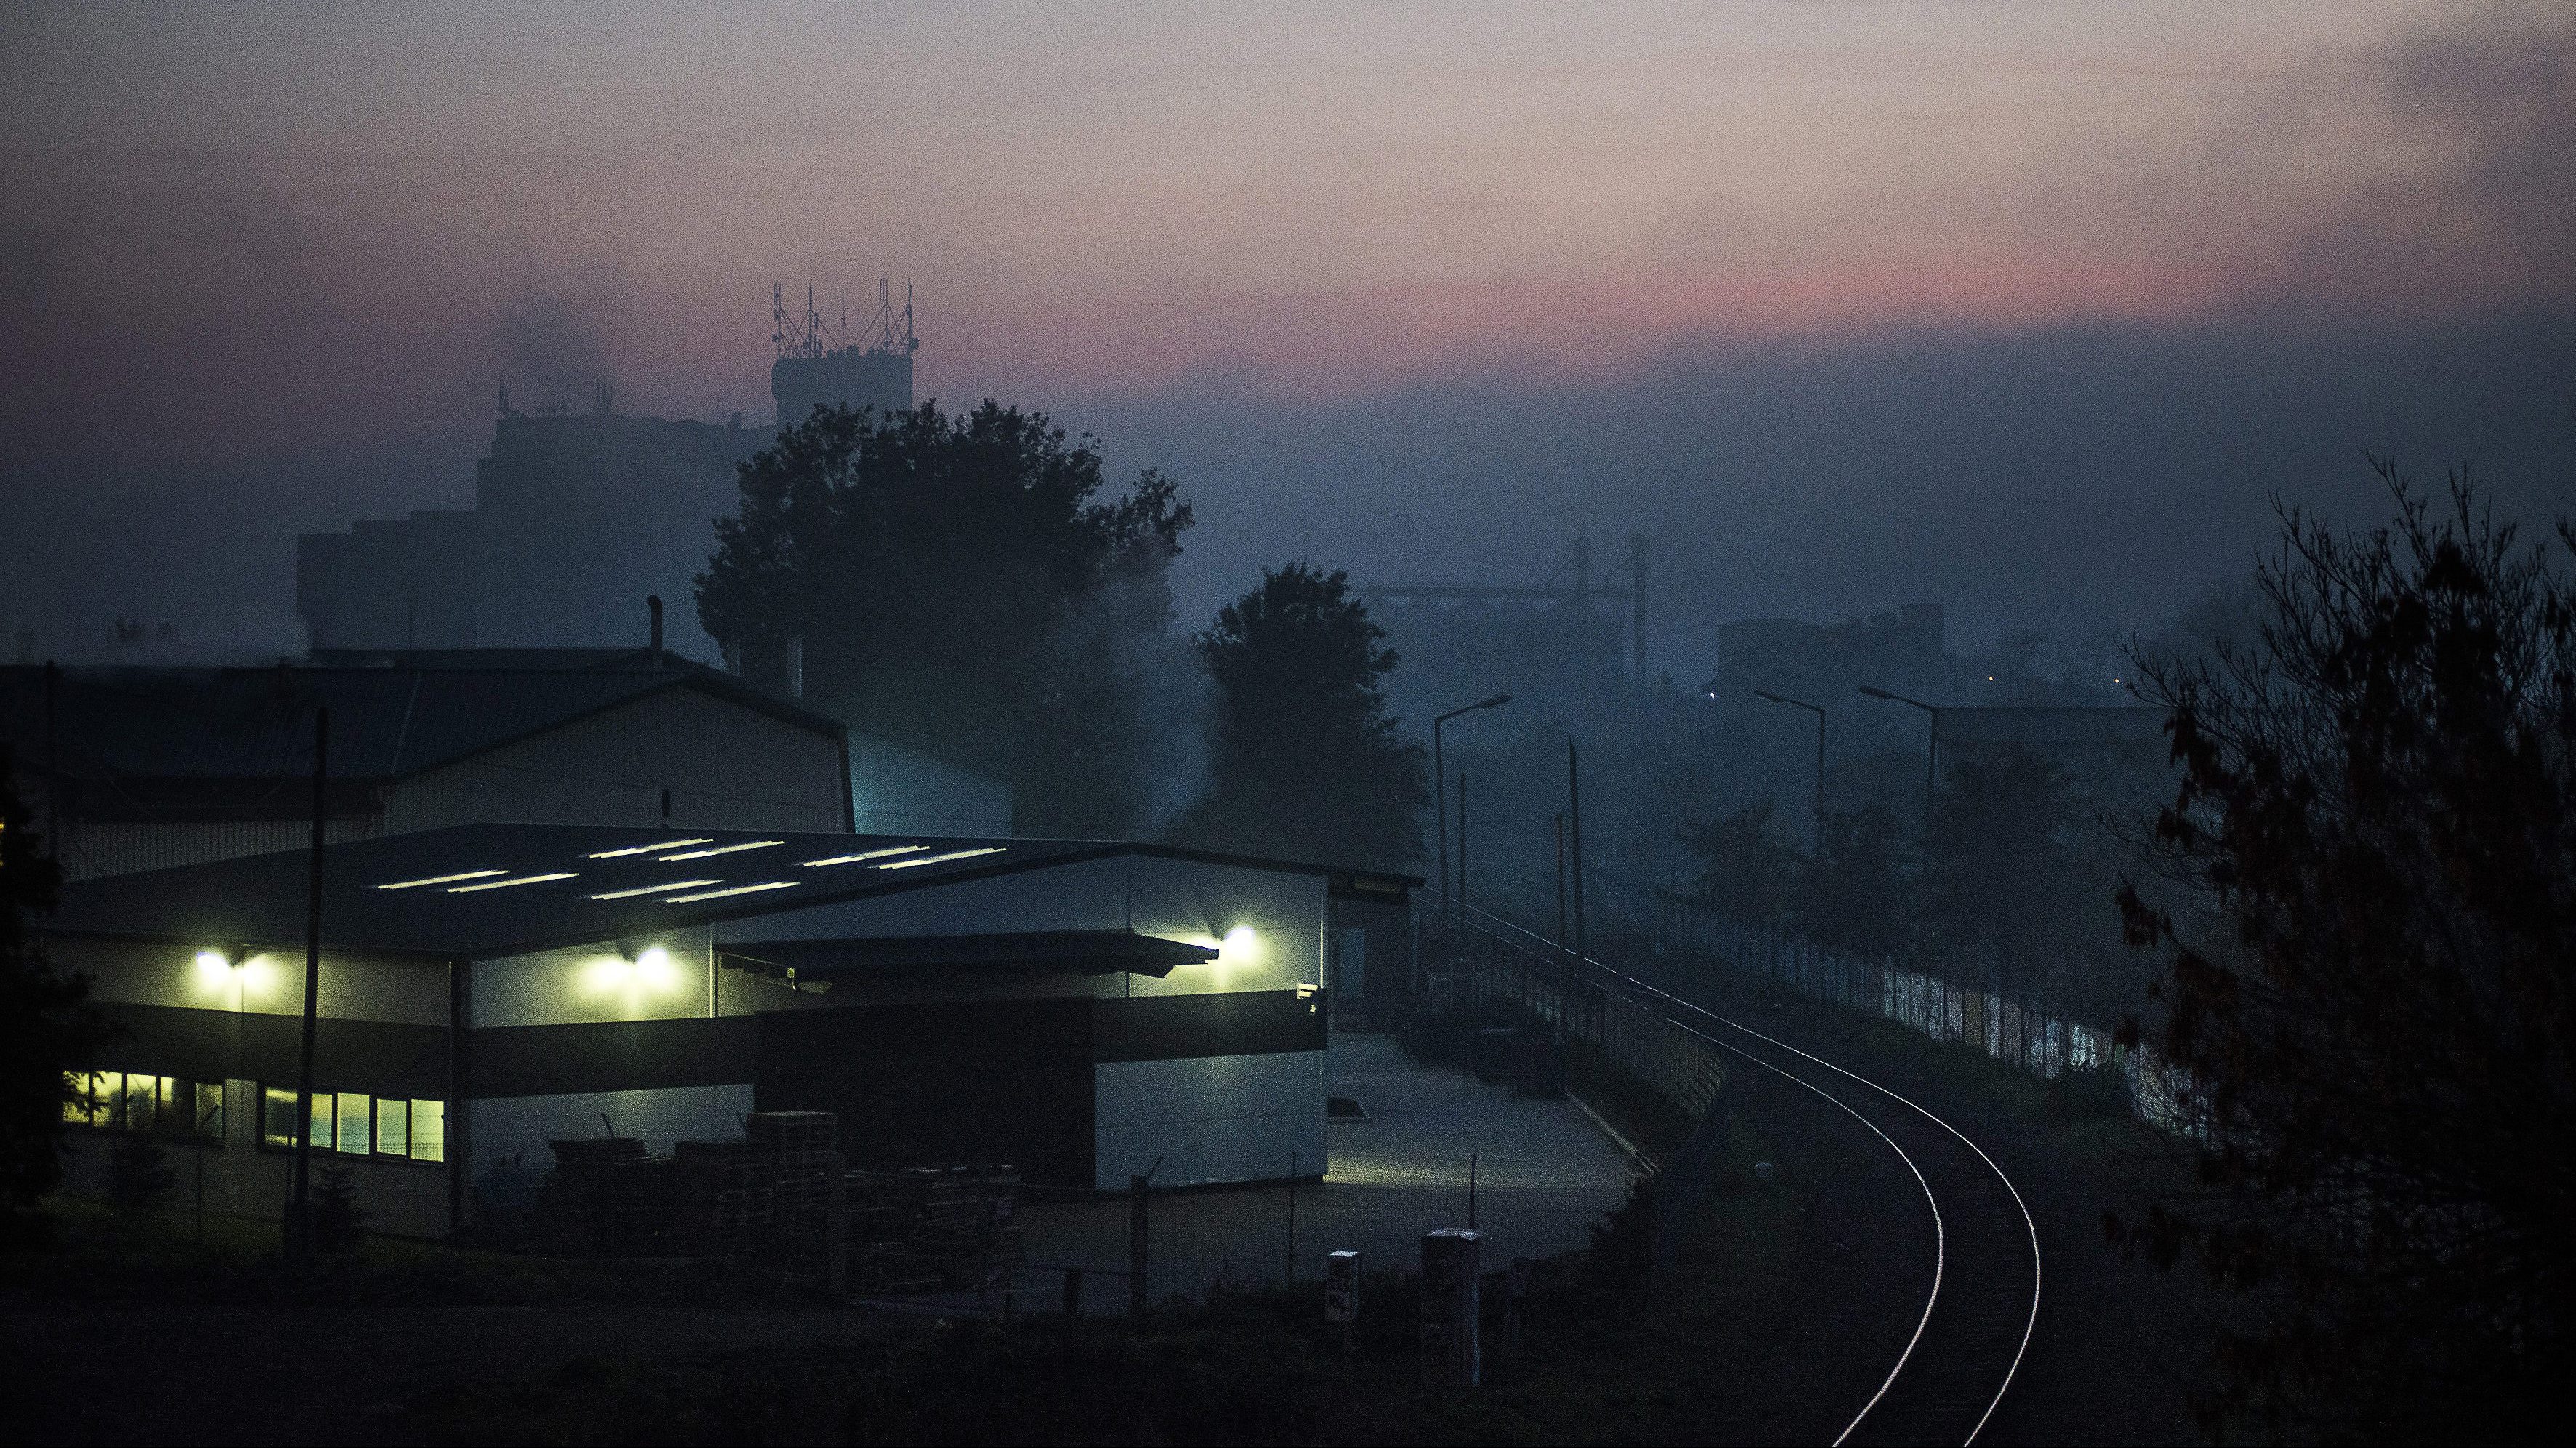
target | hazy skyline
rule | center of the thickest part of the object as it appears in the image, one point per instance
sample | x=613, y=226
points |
x=1847, y=302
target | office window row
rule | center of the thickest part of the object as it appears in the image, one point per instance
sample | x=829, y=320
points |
x=352, y=1123
x=165, y=1106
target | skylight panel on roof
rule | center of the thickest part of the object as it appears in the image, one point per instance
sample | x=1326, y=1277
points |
x=506, y=884
x=866, y=855
x=942, y=859
x=442, y=879
x=719, y=850
x=648, y=849
x=731, y=890
x=662, y=889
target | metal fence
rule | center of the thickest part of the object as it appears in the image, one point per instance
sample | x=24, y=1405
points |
x=2022, y=1033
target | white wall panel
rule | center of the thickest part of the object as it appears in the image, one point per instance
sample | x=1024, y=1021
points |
x=1210, y=1118
x=727, y=767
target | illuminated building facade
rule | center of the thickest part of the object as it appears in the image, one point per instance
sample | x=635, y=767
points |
x=1081, y=1010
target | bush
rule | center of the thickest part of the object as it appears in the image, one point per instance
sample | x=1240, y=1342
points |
x=1623, y=1242
x=2090, y=1093
x=337, y=1217
x=139, y=1180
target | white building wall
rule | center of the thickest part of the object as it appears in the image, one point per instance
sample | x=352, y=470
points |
x=727, y=767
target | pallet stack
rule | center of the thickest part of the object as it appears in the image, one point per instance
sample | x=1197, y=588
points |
x=580, y=1198
x=801, y=1158
x=927, y=1227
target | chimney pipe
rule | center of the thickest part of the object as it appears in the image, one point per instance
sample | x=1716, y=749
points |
x=653, y=601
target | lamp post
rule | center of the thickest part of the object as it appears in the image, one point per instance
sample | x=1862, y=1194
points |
x=1931, y=754
x=1818, y=711
x=1439, y=787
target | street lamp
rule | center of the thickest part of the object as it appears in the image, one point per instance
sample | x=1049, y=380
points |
x=1819, y=712
x=1439, y=783
x=1932, y=752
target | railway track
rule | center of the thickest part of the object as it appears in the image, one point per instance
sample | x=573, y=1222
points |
x=1981, y=1291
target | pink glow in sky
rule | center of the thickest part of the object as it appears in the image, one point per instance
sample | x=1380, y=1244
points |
x=342, y=209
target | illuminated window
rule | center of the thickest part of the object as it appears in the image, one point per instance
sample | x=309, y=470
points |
x=76, y=1102
x=277, y=1117
x=393, y=1127
x=142, y=1102
x=320, y=1116
x=209, y=1109
x=429, y=1131
x=106, y=1099
x=354, y=1134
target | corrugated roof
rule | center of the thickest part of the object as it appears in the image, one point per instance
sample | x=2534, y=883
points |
x=386, y=723
x=477, y=891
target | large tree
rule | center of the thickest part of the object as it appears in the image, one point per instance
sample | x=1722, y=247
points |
x=2369, y=968
x=1747, y=867
x=45, y=1026
x=2017, y=876
x=966, y=585
x=1308, y=765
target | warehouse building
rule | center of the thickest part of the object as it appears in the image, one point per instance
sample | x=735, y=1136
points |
x=140, y=769
x=1081, y=1010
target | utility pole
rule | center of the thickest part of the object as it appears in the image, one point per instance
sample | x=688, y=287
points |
x=1440, y=788
x=53, y=767
x=1819, y=712
x=1637, y=600
x=1574, y=838
x=1462, y=849
x=1931, y=753
x=1560, y=879
x=298, y=1223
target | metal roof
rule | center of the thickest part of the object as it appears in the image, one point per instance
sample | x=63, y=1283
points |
x=476, y=891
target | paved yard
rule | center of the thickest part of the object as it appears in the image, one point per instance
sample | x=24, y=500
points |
x=1544, y=1173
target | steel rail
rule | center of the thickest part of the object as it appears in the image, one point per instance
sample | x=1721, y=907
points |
x=2030, y=1226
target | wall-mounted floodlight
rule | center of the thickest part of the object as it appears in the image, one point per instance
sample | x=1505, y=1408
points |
x=223, y=960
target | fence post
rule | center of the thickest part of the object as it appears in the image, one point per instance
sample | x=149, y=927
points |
x=1136, y=1298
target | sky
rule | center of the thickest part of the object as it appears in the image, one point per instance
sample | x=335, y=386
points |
x=2032, y=307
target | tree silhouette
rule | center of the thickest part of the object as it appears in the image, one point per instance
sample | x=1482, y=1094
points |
x=1856, y=897
x=46, y=1027
x=1308, y=765
x=960, y=585
x=1747, y=868
x=2371, y=973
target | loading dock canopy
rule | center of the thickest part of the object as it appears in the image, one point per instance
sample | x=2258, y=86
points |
x=1092, y=952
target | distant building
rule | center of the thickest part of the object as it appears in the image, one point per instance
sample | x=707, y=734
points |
x=576, y=515
x=1909, y=647
x=1550, y=647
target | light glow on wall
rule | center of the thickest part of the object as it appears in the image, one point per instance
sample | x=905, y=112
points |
x=631, y=981
x=1241, y=946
